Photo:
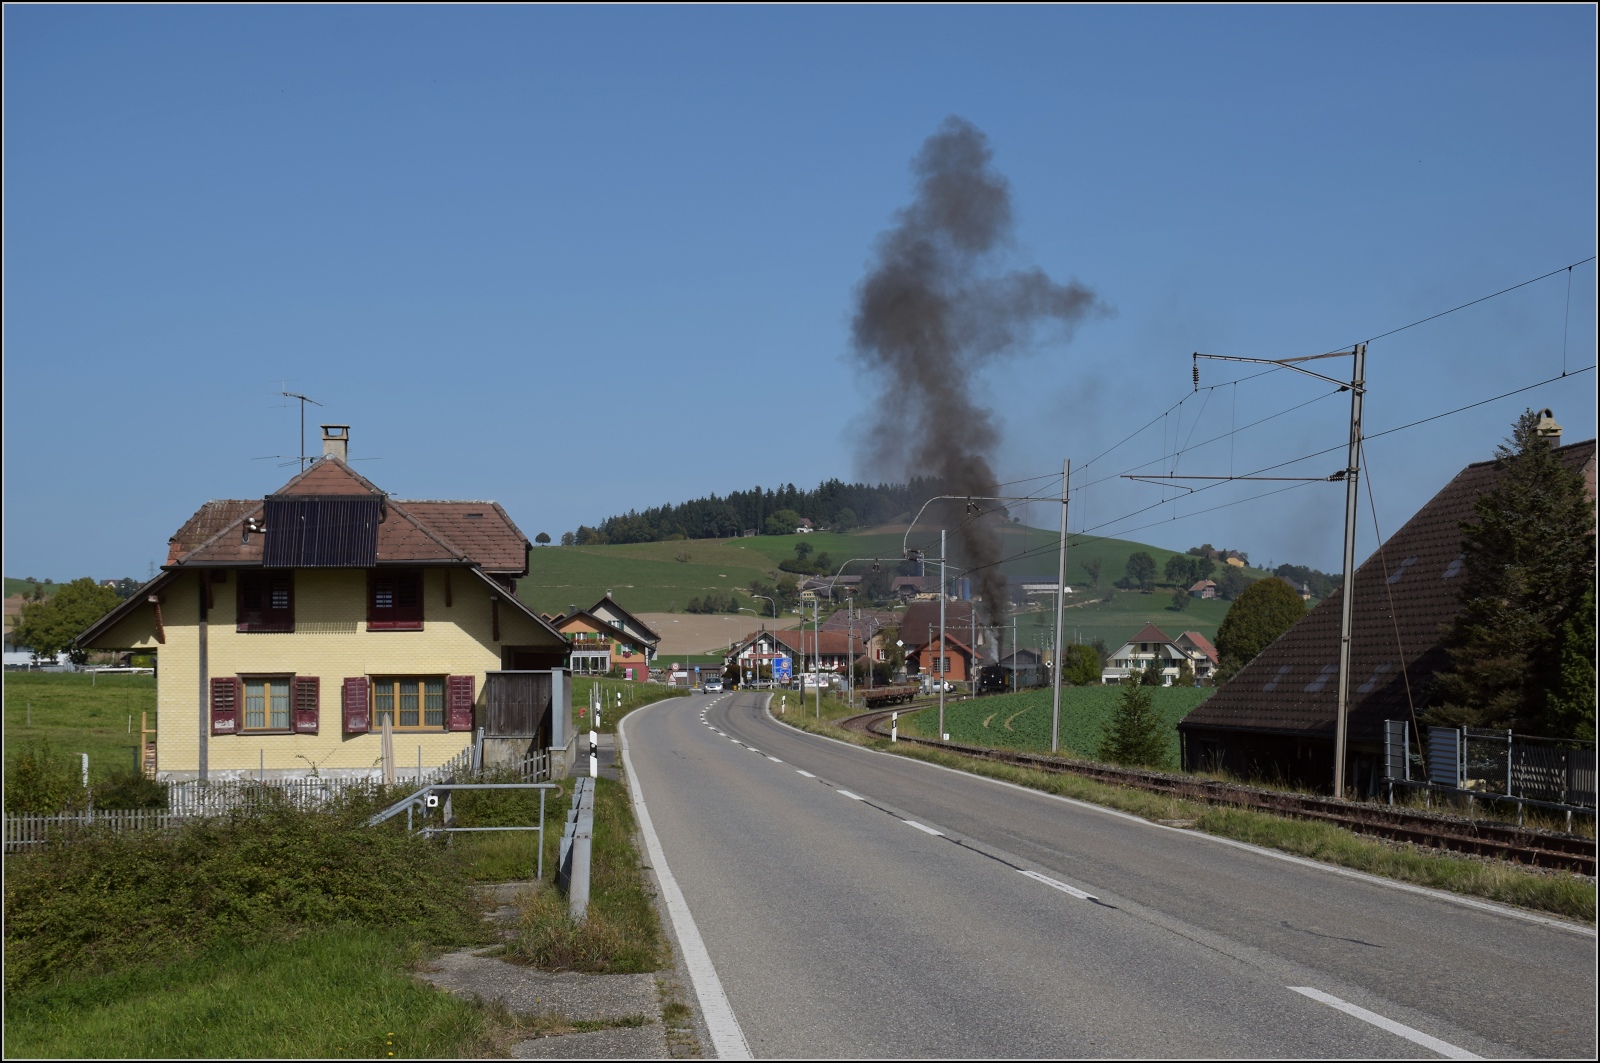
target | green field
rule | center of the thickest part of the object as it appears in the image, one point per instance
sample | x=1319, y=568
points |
x=1022, y=720
x=23, y=587
x=79, y=713
x=647, y=577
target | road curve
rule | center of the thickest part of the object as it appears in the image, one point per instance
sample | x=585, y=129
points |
x=856, y=904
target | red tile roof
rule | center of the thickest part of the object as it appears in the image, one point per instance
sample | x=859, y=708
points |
x=478, y=533
x=1150, y=633
x=1201, y=643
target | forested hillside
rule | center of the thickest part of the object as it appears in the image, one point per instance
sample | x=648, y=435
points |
x=771, y=511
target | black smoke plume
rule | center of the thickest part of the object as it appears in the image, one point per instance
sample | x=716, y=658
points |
x=935, y=309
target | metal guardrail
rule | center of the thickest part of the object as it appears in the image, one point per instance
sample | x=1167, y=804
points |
x=429, y=798
x=577, y=850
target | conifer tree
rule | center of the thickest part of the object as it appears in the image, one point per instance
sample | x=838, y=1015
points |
x=1138, y=736
x=1529, y=569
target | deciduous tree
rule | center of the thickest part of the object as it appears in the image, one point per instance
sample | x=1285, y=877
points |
x=1141, y=569
x=1265, y=610
x=50, y=626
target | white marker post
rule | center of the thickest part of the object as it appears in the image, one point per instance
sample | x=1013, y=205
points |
x=894, y=727
x=594, y=754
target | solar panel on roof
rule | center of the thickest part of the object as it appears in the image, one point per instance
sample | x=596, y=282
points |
x=322, y=531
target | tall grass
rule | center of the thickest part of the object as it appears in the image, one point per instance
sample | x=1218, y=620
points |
x=621, y=933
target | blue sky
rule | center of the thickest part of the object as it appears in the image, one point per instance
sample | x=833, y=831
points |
x=588, y=259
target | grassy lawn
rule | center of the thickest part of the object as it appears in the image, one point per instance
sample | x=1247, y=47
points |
x=1022, y=720
x=618, y=693
x=79, y=714
x=340, y=992
x=1572, y=896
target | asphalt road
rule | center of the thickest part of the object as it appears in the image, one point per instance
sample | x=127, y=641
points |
x=856, y=904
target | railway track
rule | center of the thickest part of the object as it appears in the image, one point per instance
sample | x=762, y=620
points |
x=1523, y=845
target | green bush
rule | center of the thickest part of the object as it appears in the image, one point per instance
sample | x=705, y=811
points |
x=109, y=900
x=42, y=782
x=129, y=789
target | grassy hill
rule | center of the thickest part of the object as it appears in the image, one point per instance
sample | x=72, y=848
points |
x=650, y=577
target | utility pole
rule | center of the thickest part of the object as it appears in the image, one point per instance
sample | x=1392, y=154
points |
x=1352, y=473
x=941, y=669
x=1061, y=593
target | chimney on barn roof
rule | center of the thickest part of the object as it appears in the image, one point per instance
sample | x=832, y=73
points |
x=1548, y=429
x=336, y=441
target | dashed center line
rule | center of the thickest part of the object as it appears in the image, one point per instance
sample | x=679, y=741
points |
x=1055, y=885
x=775, y=760
x=922, y=828
x=851, y=796
x=1444, y=1048
x=807, y=774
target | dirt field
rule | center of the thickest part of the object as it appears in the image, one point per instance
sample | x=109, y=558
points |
x=683, y=633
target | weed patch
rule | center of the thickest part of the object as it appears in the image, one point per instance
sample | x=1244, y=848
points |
x=621, y=934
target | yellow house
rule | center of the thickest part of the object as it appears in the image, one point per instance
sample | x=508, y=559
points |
x=289, y=630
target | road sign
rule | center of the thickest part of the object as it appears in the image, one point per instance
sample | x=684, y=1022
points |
x=782, y=668
x=808, y=596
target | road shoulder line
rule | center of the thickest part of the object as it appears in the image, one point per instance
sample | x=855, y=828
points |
x=727, y=1038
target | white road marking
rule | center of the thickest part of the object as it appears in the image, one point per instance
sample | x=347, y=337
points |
x=721, y=1023
x=1444, y=1048
x=925, y=830
x=1273, y=854
x=807, y=774
x=851, y=796
x=775, y=760
x=1062, y=886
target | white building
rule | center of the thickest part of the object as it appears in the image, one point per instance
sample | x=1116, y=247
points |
x=1152, y=644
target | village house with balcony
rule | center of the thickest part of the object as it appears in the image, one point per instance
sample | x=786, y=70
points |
x=606, y=636
x=1133, y=657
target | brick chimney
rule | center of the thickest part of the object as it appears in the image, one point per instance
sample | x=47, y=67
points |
x=336, y=441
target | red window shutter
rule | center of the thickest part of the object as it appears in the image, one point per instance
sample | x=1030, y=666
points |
x=394, y=601
x=225, y=698
x=357, y=715
x=307, y=702
x=461, y=695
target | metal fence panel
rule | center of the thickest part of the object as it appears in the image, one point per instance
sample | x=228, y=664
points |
x=1444, y=756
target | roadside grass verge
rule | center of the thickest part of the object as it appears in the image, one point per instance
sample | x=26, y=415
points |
x=633, y=696
x=622, y=934
x=1558, y=893
x=340, y=992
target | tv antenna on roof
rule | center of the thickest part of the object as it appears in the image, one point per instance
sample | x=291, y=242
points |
x=303, y=400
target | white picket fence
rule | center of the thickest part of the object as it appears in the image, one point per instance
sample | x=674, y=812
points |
x=188, y=799
x=24, y=832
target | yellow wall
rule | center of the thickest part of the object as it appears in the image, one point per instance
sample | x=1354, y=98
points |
x=331, y=641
